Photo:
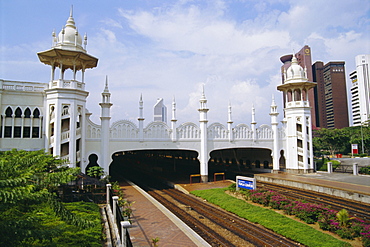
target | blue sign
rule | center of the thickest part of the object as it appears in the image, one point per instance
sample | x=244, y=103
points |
x=245, y=183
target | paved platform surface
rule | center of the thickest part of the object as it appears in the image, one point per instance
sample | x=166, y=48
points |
x=150, y=221
x=343, y=181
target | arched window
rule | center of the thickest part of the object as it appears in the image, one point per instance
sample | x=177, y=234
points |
x=36, y=113
x=8, y=112
x=18, y=113
x=297, y=95
x=27, y=113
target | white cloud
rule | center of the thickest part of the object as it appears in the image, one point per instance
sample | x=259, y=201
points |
x=171, y=49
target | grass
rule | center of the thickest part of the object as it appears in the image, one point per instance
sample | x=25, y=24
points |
x=281, y=224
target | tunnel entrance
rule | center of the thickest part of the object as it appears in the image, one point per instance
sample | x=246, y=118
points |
x=242, y=161
x=174, y=164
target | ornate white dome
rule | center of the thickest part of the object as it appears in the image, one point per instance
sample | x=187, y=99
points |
x=295, y=72
x=69, y=37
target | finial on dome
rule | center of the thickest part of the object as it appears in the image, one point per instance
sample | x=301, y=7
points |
x=294, y=59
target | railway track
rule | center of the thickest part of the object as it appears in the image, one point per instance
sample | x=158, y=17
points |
x=361, y=210
x=217, y=226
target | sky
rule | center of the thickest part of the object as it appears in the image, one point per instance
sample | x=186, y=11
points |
x=172, y=49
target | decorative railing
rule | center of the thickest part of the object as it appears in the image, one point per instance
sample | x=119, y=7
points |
x=120, y=222
x=23, y=86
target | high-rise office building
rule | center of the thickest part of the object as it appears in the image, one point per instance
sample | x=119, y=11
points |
x=360, y=90
x=304, y=60
x=331, y=95
x=160, y=111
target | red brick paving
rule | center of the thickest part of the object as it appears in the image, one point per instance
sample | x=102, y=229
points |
x=148, y=222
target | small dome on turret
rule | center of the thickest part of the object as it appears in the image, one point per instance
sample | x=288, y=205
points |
x=69, y=37
x=295, y=72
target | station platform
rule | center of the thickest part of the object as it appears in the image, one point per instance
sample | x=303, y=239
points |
x=151, y=220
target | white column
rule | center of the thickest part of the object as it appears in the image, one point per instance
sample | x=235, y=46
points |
x=40, y=126
x=304, y=144
x=22, y=126
x=72, y=134
x=57, y=129
x=311, y=165
x=3, y=126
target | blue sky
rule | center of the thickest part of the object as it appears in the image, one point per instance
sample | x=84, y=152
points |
x=171, y=48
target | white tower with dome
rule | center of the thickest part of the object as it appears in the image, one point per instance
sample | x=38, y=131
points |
x=299, y=150
x=65, y=108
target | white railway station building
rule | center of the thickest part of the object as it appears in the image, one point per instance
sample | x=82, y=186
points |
x=53, y=116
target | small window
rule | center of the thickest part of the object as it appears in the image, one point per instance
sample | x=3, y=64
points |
x=17, y=131
x=299, y=127
x=299, y=143
x=26, y=132
x=8, y=131
x=35, y=132
x=300, y=158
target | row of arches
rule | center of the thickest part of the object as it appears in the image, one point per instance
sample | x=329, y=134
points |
x=21, y=123
x=19, y=113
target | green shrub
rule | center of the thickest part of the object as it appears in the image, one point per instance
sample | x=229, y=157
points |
x=365, y=170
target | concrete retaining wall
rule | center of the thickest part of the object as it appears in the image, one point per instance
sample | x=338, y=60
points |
x=318, y=188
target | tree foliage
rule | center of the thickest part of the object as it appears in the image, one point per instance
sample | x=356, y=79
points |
x=28, y=179
x=340, y=140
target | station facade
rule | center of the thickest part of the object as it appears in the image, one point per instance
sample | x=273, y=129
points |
x=53, y=116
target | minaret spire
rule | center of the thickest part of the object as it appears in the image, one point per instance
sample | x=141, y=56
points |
x=229, y=124
x=173, y=121
x=141, y=118
x=204, y=154
x=71, y=11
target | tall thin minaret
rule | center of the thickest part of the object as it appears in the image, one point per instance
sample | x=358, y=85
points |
x=274, y=124
x=66, y=97
x=105, y=123
x=141, y=118
x=230, y=125
x=204, y=155
x=173, y=121
x=299, y=155
x=253, y=124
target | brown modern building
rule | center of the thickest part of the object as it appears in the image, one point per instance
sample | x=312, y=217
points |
x=305, y=61
x=331, y=95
